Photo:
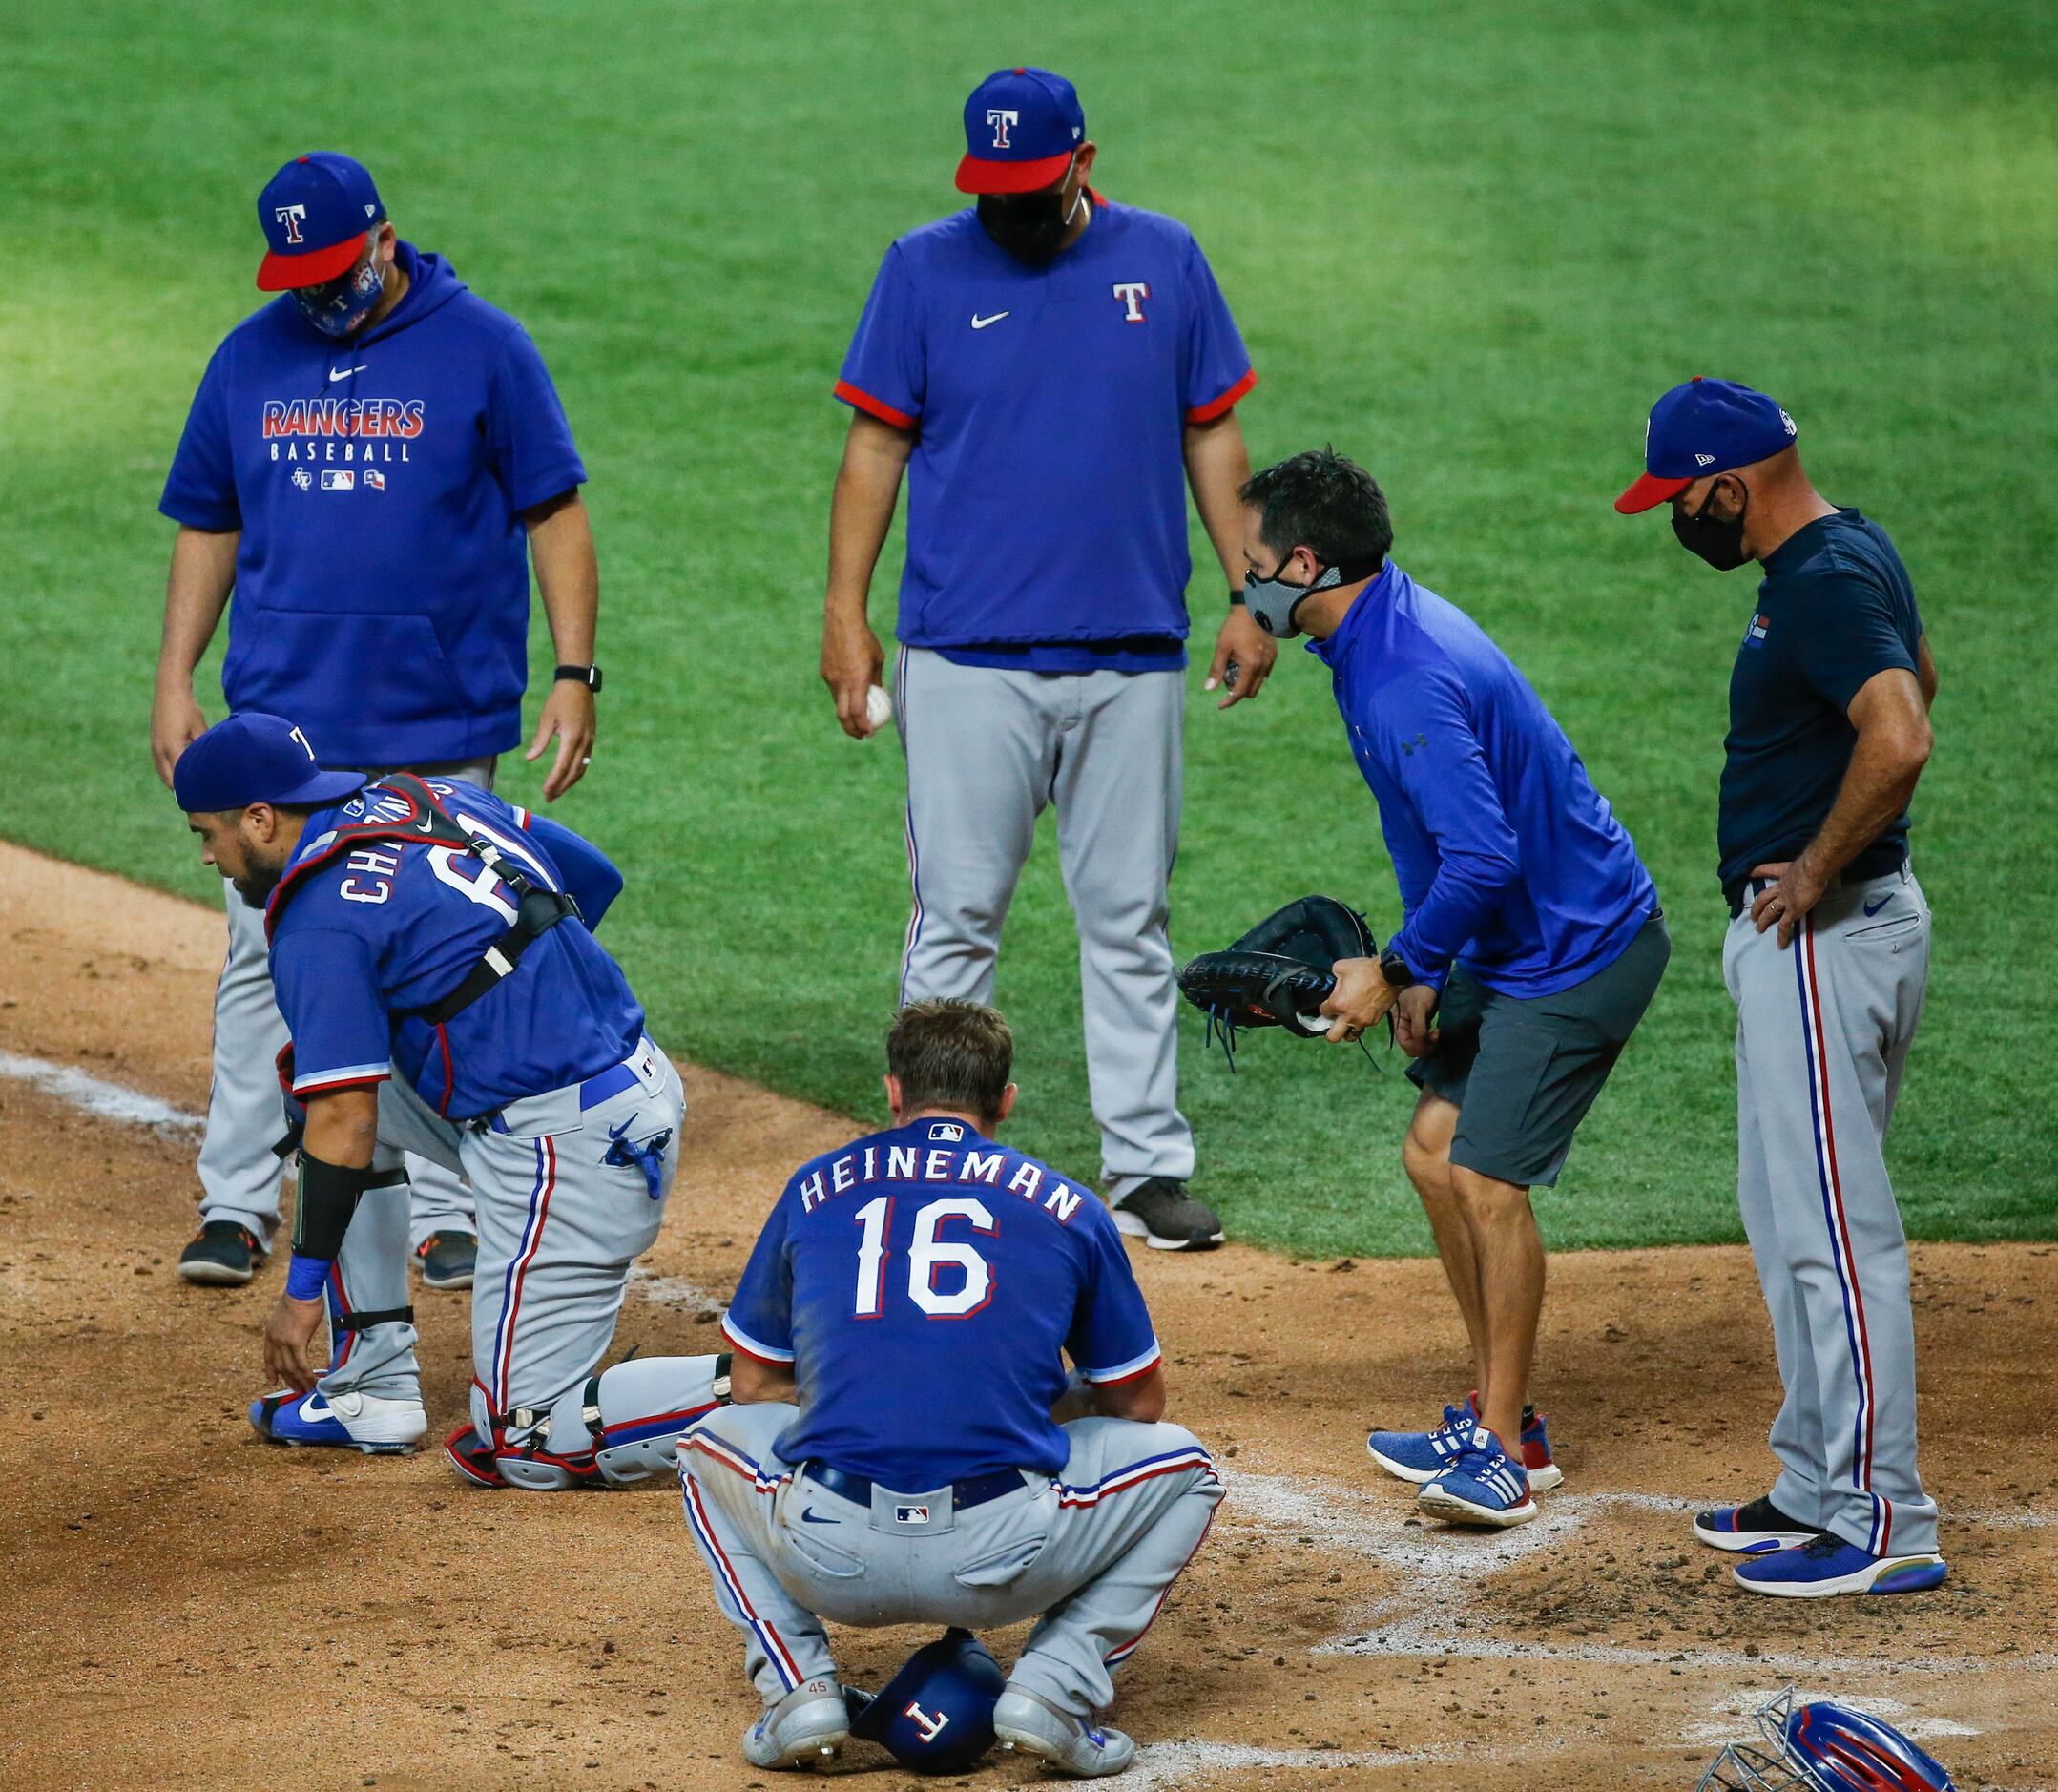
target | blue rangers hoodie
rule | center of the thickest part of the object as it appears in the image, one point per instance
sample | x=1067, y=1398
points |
x=381, y=578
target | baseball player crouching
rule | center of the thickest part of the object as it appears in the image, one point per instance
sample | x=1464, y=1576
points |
x=431, y=951
x=905, y=1447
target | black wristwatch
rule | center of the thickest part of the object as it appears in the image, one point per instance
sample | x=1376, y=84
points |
x=1236, y=596
x=588, y=676
x=1394, y=969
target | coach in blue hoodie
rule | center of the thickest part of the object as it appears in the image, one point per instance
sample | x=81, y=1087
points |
x=370, y=463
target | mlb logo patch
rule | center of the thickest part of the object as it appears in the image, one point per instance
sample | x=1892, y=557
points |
x=1754, y=635
x=375, y=479
x=910, y=1514
x=337, y=479
x=948, y=1131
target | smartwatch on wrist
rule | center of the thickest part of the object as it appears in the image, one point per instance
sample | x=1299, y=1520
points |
x=1394, y=969
x=588, y=676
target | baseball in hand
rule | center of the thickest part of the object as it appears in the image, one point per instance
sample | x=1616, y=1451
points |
x=877, y=707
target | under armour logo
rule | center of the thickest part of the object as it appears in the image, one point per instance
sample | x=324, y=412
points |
x=930, y=1727
x=1001, y=120
x=1132, y=293
x=1420, y=741
x=290, y=216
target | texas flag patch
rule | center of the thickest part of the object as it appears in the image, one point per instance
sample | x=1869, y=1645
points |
x=375, y=479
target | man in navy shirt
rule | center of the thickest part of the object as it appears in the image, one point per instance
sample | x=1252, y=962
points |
x=1531, y=945
x=432, y=953
x=905, y=1446
x=364, y=463
x=1828, y=959
x=1050, y=371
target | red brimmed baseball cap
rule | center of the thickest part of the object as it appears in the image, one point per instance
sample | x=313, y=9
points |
x=317, y=212
x=1021, y=128
x=1702, y=427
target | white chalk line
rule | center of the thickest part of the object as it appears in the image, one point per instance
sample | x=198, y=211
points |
x=1732, y=1712
x=1443, y=1570
x=91, y=1094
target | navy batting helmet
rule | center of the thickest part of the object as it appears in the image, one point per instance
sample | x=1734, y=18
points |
x=1822, y=1746
x=936, y=1715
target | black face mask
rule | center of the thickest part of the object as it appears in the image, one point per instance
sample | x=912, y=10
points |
x=1029, y=225
x=1718, y=543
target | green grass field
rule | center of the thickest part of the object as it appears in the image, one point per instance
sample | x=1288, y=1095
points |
x=1468, y=246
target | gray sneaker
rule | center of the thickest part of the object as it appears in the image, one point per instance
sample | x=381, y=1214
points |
x=1162, y=1214
x=808, y=1726
x=222, y=1256
x=448, y=1259
x=1027, y=1721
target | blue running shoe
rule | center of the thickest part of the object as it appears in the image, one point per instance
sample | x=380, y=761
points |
x=1419, y=1456
x=1485, y=1486
x=353, y=1421
x=1827, y=1566
x=1755, y=1529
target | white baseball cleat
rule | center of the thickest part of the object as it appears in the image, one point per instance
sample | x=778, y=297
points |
x=353, y=1421
x=1032, y=1723
x=808, y=1726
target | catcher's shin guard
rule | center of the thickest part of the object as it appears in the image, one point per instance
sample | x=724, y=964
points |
x=615, y=1428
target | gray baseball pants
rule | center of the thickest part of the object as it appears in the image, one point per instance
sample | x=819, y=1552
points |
x=239, y=1171
x=987, y=750
x=564, y=1209
x=1822, y=1035
x=1094, y=1551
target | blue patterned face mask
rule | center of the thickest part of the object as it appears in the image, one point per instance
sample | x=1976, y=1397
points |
x=338, y=306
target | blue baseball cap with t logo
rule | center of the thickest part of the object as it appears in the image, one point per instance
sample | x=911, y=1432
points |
x=317, y=212
x=1702, y=427
x=1021, y=128
x=256, y=758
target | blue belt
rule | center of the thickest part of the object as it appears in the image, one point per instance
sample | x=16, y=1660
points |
x=976, y=1491
x=593, y=1091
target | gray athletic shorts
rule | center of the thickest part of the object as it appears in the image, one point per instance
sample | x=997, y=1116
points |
x=1522, y=1071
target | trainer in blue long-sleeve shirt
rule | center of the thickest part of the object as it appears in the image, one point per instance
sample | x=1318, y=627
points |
x=1507, y=856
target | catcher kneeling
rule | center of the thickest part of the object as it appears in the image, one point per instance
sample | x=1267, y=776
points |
x=905, y=1447
x=1533, y=943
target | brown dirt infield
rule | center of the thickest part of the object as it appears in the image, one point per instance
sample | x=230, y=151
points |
x=184, y=1605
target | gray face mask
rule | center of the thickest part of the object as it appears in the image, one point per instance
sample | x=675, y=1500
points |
x=1273, y=601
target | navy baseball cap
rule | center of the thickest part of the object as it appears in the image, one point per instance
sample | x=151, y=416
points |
x=1022, y=126
x=256, y=758
x=936, y=1715
x=1704, y=427
x=317, y=212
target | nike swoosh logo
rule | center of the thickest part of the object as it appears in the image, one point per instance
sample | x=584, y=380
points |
x=314, y=1407
x=807, y=1517
x=979, y=322
x=334, y=376
x=1873, y=909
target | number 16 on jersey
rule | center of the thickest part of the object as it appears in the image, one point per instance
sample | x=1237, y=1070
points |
x=927, y=1255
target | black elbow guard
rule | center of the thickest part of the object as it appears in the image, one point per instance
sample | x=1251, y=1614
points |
x=330, y=1195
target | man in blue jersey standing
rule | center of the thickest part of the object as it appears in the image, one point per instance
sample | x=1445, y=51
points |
x=1531, y=946
x=905, y=1446
x=364, y=461
x=1049, y=371
x=433, y=951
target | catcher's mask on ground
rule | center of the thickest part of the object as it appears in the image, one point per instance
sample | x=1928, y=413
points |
x=1822, y=1746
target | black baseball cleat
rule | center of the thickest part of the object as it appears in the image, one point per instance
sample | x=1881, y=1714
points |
x=448, y=1259
x=223, y=1256
x=1162, y=1214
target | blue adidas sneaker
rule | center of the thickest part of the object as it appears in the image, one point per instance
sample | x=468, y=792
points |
x=353, y=1421
x=1419, y=1456
x=1828, y=1565
x=1484, y=1486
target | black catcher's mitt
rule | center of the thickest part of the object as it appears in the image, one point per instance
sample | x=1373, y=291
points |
x=1278, y=973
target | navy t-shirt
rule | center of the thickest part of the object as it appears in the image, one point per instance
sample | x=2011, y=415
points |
x=926, y=1285
x=1046, y=488
x=1834, y=610
x=381, y=580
